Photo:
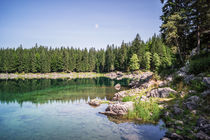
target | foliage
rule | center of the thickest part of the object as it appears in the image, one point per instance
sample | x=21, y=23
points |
x=197, y=85
x=147, y=111
x=134, y=62
x=41, y=59
x=128, y=98
x=200, y=64
x=147, y=59
x=156, y=61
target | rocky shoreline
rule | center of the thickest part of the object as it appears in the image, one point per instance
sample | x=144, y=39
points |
x=185, y=113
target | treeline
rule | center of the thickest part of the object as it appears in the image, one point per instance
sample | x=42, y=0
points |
x=152, y=55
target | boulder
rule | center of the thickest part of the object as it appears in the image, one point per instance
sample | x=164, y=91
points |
x=161, y=92
x=206, y=93
x=206, y=81
x=201, y=122
x=202, y=136
x=134, y=83
x=94, y=102
x=188, y=78
x=117, y=86
x=169, y=78
x=119, y=95
x=181, y=74
x=118, y=109
x=178, y=111
x=192, y=102
x=174, y=136
x=185, y=69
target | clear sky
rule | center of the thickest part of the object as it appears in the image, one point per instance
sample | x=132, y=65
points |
x=78, y=23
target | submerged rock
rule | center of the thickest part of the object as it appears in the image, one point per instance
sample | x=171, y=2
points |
x=161, y=92
x=118, y=109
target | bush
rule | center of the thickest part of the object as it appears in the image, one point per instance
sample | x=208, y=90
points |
x=200, y=63
x=128, y=98
x=197, y=85
x=147, y=111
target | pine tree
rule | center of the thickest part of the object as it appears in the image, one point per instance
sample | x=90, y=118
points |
x=147, y=60
x=134, y=62
x=156, y=61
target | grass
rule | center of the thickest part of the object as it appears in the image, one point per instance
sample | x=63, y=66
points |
x=197, y=85
x=146, y=111
x=128, y=98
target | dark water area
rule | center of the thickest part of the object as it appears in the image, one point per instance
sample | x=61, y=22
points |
x=57, y=109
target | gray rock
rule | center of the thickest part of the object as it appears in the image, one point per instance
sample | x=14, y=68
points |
x=179, y=122
x=192, y=91
x=206, y=93
x=181, y=74
x=192, y=102
x=161, y=92
x=206, y=81
x=202, y=136
x=184, y=69
x=195, y=99
x=188, y=78
x=94, y=102
x=201, y=122
x=174, y=136
x=117, y=86
x=194, y=52
x=163, y=83
x=178, y=111
x=206, y=128
x=169, y=78
x=119, y=95
x=118, y=109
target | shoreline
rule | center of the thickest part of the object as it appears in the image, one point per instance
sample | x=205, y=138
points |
x=61, y=75
x=53, y=75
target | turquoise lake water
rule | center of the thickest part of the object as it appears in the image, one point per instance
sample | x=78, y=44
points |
x=57, y=109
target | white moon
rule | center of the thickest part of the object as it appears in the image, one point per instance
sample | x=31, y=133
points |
x=96, y=26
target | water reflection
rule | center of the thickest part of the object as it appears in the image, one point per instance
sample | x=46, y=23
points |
x=57, y=109
x=62, y=90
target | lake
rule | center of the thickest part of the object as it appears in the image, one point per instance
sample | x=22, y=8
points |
x=57, y=109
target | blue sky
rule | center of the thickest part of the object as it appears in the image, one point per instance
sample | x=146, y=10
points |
x=78, y=23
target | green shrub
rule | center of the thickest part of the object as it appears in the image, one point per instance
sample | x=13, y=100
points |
x=200, y=63
x=197, y=85
x=147, y=111
x=128, y=98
